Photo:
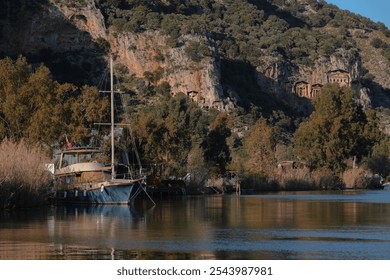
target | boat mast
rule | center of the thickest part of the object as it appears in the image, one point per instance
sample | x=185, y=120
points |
x=112, y=118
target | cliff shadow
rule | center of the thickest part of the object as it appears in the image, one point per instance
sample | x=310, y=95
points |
x=240, y=81
x=380, y=96
x=41, y=33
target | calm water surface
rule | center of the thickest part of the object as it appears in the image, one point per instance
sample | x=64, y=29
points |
x=305, y=225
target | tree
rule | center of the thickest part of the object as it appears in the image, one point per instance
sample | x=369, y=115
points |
x=216, y=149
x=166, y=133
x=337, y=130
x=38, y=109
x=379, y=160
x=259, y=146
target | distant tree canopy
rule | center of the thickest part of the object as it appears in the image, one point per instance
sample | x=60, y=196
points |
x=337, y=130
x=179, y=136
x=36, y=108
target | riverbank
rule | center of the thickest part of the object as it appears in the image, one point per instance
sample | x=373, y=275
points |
x=292, y=180
x=26, y=182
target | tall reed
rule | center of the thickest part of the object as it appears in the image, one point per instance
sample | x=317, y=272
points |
x=300, y=179
x=24, y=178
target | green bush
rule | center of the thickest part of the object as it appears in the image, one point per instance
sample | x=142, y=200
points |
x=378, y=43
x=196, y=51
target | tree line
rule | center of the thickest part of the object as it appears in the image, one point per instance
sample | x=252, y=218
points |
x=176, y=135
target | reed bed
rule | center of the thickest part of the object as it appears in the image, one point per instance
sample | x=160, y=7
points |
x=291, y=180
x=361, y=178
x=24, y=178
x=303, y=179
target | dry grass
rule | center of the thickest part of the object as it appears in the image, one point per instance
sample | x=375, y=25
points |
x=300, y=179
x=303, y=179
x=24, y=179
x=360, y=178
x=351, y=176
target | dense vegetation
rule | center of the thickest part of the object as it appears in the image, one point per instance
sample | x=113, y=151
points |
x=175, y=136
x=337, y=130
x=40, y=110
x=245, y=30
x=182, y=138
x=35, y=113
x=383, y=46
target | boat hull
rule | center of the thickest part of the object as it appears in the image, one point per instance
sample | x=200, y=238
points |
x=111, y=194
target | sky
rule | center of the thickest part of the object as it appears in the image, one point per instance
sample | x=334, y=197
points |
x=376, y=10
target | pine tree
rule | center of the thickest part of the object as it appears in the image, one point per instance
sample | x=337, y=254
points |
x=337, y=130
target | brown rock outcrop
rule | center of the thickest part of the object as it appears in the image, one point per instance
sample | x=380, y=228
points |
x=200, y=81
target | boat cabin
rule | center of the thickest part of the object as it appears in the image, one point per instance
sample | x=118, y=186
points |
x=79, y=155
x=81, y=165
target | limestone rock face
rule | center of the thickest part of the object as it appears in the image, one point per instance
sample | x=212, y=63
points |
x=149, y=52
x=48, y=32
x=346, y=60
x=51, y=25
x=73, y=29
x=86, y=17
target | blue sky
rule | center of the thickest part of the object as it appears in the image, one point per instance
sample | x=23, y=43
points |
x=376, y=10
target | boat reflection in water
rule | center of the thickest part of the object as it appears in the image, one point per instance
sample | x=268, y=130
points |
x=304, y=225
x=125, y=232
x=91, y=231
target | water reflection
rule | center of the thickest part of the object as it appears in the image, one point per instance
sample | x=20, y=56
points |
x=337, y=225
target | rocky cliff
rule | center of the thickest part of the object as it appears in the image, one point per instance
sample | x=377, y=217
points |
x=55, y=34
x=149, y=53
x=77, y=30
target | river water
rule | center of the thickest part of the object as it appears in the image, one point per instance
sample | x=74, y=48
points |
x=334, y=225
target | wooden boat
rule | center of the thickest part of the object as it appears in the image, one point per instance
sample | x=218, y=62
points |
x=83, y=177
